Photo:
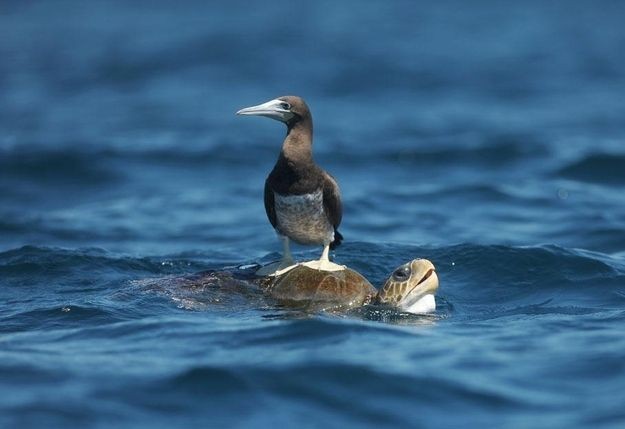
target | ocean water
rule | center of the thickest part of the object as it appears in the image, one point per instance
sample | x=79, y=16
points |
x=486, y=136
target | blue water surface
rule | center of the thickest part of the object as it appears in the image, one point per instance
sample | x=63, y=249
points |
x=486, y=136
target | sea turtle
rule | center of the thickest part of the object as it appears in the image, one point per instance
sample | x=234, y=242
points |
x=410, y=287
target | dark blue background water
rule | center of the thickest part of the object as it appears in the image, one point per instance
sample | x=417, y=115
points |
x=486, y=136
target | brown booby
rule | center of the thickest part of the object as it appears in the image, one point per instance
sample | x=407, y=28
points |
x=302, y=201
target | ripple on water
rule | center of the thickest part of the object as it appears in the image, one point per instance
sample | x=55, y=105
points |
x=608, y=169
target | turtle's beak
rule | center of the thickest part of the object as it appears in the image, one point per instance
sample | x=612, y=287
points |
x=272, y=109
x=420, y=299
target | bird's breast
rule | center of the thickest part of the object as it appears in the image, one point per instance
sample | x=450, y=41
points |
x=302, y=218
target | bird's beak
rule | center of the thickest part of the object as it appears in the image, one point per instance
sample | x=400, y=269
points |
x=271, y=109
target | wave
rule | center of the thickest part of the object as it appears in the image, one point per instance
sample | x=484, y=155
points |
x=54, y=262
x=608, y=169
x=69, y=316
x=331, y=390
x=485, y=282
x=70, y=167
x=241, y=363
x=410, y=147
x=106, y=161
x=475, y=281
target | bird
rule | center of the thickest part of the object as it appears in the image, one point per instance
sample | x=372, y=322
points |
x=302, y=201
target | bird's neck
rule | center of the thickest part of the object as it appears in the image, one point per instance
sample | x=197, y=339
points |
x=297, y=146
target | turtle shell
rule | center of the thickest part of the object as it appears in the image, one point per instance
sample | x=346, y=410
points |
x=301, y=285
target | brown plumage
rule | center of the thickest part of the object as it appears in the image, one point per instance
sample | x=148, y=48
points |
x=296, y=173
x=303, y=202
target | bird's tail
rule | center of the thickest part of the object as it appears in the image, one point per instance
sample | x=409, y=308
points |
x=338, y=238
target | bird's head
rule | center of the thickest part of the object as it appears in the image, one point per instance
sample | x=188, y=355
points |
x=289, y=109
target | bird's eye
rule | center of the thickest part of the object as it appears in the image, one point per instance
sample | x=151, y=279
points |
x=402, y=273
x=285, y=106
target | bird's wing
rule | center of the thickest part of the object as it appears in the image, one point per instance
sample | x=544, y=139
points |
x=270, y=207
x=332, y=200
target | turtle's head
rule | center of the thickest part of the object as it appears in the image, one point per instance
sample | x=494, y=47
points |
x=411, y=287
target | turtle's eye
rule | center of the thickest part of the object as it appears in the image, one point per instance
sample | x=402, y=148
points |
x=402, y=273
x=285, y=106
